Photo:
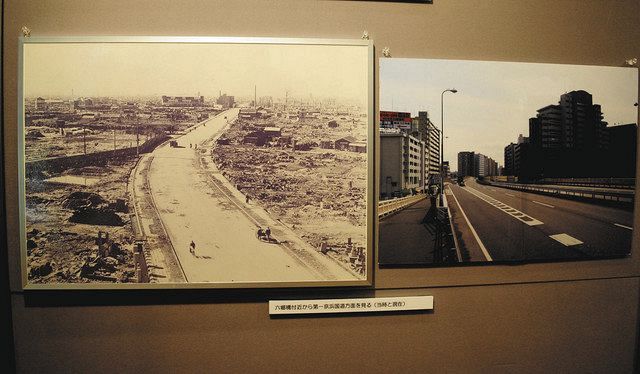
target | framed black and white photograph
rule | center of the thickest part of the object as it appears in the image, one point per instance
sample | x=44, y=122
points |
x=486, y=162
x=169, y=162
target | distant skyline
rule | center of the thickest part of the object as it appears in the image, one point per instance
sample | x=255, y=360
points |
x=186, y=69
x=496, y=99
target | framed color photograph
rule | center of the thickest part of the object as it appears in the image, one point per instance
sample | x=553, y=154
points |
x=507, y=162
x=152, y=162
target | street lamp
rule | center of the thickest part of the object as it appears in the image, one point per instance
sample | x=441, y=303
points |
x=452, y=90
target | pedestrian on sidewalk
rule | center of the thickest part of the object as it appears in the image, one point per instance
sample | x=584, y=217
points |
x=268, y=233
x=192, y=248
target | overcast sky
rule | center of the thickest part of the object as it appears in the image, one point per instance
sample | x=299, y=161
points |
x=180, y=69
x=496, y=99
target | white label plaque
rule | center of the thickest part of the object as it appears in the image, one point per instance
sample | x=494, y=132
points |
x=362, y=305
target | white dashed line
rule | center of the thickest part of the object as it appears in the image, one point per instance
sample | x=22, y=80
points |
x=547, y=205
x=473, y=231
x=623, y=226
x=508, y=194
x=566, y=240
x=513, y=212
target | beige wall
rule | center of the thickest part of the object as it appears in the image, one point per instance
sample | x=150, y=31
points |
x=571, y=317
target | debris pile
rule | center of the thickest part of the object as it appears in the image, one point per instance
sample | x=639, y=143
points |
x=66, y=221
x=106, y=260
x=90, y=208
x=318, y=192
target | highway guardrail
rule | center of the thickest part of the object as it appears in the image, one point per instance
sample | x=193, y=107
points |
x=623, y=196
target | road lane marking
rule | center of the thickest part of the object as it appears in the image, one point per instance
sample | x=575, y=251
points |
x=508, y=194
x=513, y=212
x=473, y=231
x=547, y=205
x=623, y=226
x=566, y=240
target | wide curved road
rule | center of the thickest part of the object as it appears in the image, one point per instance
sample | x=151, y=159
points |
x=191, y=210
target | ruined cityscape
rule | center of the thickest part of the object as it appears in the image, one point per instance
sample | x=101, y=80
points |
x=175, y=189
x=556, y=181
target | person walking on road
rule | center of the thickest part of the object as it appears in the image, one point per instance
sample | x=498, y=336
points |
x=260, y=233
x=267, y=232
x=192, y=248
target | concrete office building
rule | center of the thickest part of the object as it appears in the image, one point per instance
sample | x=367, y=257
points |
x=183, y=101
x=417, y=129
x=226, y=101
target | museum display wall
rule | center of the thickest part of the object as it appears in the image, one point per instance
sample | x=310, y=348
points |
x=536, y=317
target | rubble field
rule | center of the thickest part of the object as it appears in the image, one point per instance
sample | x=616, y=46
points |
x=45, y=142
x=80, y=233
x=318, y=192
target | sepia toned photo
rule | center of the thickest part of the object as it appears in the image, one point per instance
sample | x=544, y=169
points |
x=206, y=162
x=486, y=162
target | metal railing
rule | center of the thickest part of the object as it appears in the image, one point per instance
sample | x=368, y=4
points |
x=629, y=183
x=387, y=207
x=623, y=196
x=444, y=247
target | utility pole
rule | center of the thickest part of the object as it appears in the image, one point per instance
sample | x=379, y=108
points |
x=452, y=90
x=84, y=138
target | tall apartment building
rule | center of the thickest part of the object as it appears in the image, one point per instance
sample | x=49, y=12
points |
x=445, y=168
x=484, y=166
x=509, y=159
x=622, y=150
x=480, y=163
x=425, y=130
x=466, y=164
x=515, y=157
x=401, y=163
x=569, y=139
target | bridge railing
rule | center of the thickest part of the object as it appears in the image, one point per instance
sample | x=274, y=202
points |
x=444, y=246
x=621, y=195
x=628, y=183
x=387, y=207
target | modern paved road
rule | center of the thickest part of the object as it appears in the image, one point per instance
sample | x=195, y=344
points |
x=227, y=250
x=516, y=225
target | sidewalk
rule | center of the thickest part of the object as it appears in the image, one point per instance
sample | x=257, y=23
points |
x=405, y=239
x=164, y=266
